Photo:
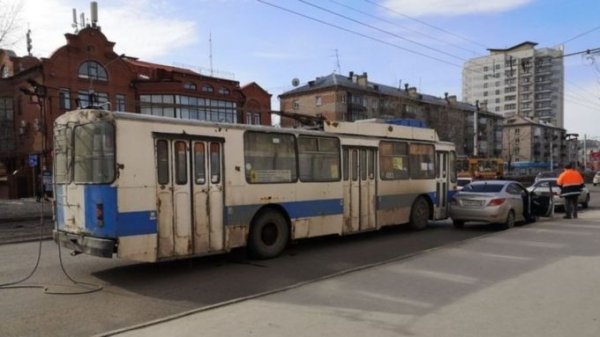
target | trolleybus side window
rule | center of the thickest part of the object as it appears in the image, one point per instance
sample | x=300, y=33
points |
x=215, y=163
x=270, y=157
x=363, y=164
x=62, y=155
x=422, y=160
x=319, y=159
x=94, y=153
x=393, y=160
x=162, y=158
x=354, y=165
x=371, y=158
x=180, y=163
x=199, y=165
x=452, y=166
x=345, y=164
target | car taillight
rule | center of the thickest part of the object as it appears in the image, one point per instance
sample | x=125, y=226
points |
x=496, y=202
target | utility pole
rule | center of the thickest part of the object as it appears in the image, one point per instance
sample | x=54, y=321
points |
x=475, y=132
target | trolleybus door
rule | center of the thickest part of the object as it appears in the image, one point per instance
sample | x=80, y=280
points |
x=359, y=189
x=173, y=197
x=207, y=195
x=441, y=177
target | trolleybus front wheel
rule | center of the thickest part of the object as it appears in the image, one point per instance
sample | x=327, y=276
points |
x=269, y=235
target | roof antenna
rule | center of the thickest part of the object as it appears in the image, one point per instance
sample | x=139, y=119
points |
x=75, y=25
x=94, y=13
x=337, y=59
x=82, y=20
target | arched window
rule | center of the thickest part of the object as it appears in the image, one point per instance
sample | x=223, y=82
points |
x=224, y=91
x=207, y=88
x=92, y=70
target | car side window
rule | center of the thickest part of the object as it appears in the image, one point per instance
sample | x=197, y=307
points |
x=513, y=189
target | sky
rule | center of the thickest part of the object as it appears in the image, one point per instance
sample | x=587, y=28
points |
x=270, y=42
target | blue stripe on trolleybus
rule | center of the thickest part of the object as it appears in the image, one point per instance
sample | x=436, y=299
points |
x=115, y=224
x=243, y=214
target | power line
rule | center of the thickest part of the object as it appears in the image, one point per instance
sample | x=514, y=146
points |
x=359, y=34
x=581, y=34
x=427, y=24
x=402, y=27
x=381, y=30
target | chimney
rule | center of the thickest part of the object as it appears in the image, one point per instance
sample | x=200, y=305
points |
x=351, y=75
x=412, y=92
x=451, y=99
x=406, y=87
x=483, y=106
x=362, y=80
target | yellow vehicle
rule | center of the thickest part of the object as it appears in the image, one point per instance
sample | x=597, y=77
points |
x=480, y=168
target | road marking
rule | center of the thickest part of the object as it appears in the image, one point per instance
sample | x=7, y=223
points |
x=536, y=244
x=436, y=275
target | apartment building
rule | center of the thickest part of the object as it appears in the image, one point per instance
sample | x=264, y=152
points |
x=531, y=146
x=520, y=80
x=354, y=97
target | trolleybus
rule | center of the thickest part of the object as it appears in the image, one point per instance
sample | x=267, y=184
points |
x=151, y=188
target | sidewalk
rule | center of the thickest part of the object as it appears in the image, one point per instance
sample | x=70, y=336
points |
x=26, y=209
x=536, y=280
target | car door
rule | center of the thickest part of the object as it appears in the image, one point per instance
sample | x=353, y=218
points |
x=541, y=202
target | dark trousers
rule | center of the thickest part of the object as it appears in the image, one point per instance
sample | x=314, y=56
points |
x=571, y=206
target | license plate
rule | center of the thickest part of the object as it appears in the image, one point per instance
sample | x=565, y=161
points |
x=472, y=202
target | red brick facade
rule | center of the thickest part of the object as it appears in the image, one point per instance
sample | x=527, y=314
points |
x=86, y=65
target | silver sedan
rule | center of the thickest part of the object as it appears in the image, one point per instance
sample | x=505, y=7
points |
x=492, y=201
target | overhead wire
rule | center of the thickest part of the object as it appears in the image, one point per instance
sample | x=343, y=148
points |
x=426, y=24
x=381, y=30
x=358, y=33
x=581, y=35
x=418, y=32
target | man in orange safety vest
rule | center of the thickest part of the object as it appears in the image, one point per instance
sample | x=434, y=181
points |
x=571, y=183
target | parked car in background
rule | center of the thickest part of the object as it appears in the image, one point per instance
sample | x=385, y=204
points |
x=596, y=179
x=559, y=202
x=549, y=174
x=503, y=202
x=462, y=182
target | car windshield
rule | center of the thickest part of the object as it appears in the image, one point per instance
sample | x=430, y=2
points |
x=483, y=188
x=545, y=183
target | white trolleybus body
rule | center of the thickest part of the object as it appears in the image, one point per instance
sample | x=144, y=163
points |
x=150, y=188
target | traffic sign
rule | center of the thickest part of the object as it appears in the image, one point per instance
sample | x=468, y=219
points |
x=33, y=160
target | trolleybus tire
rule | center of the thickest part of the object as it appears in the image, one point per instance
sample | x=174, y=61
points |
x=419, y=214
x=269, y=233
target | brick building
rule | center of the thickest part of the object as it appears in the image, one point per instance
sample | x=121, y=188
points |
x=87, y=71
x=354, y=97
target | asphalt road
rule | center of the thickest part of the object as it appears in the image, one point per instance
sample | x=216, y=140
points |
x=134, y=293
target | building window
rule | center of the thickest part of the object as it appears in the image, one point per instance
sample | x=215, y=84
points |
x=91, y=98
x=92, y=70
x=157, y=105
x=7, y=115
x=64, y=98
x=485, y=85
x=207, y=88
x=120, y=103
x=295, y=104
x=253, y=118
x=318, y=100
x=189, y=86
x=224, y=91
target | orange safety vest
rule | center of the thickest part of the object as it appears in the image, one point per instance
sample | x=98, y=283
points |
x=569, y=177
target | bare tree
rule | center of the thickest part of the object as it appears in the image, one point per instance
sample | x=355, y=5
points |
x=9, y=20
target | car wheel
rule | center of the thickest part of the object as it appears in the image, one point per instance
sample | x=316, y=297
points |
x=510, y=220
x=586, y=203
x=269, y=235
x=419, y=214
x=458, y=224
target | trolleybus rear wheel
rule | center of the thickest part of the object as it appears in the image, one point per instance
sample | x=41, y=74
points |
x=419, y=214
x=269, y=235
